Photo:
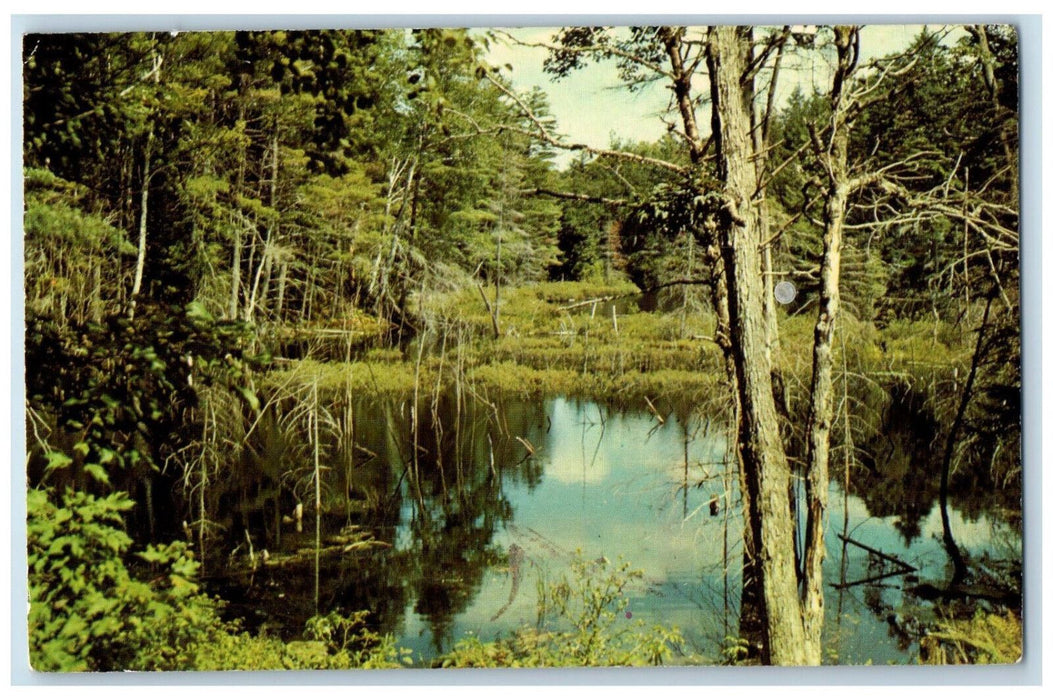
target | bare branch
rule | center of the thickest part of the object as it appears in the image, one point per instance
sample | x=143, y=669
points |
x=775, y=42
x=681, y=79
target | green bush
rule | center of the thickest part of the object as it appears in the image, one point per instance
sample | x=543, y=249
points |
x=333, y=641
x=87, y=611
x=349, y=643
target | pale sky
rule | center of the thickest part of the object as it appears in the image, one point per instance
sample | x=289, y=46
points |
x=589, y=109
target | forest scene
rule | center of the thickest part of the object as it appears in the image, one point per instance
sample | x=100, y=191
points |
x=345, y=350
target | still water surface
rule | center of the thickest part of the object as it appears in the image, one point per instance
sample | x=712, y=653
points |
x=654, y=491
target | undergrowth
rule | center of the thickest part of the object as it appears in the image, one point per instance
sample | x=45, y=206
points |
x=986, y=638
x=582, y=621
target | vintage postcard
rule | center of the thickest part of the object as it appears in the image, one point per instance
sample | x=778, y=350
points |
x=523, y=347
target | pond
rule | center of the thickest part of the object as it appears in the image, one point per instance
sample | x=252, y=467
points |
x=501, y=496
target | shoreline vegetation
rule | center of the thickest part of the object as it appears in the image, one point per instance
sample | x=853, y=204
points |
x=549, y=350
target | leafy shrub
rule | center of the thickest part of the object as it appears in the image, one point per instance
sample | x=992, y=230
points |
x=119, y=392
x=351, y=644
x=240, y=651
x=333, y=642
x=87, y=611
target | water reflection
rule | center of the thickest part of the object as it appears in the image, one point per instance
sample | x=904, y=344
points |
x=546, y=479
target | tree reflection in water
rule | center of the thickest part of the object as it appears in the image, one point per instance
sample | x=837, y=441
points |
x=551, y=477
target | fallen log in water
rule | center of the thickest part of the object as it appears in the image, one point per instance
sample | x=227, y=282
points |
x=878, y=553
x=927, y=591
x=335, y=545
x=305, y=556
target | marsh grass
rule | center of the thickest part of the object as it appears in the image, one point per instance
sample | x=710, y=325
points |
x=581, y=622
x=563, y=338
x=986, y=638
x=544, y=350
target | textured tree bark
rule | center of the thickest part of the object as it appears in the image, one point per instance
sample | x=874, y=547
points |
x=764, y=461
x=834, y=158
x=672, y=39
x=821, y=408
x=760, y=128
x=751, y=608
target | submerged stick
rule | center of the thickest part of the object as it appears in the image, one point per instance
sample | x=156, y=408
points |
x=657, y=415
x=872, y=579
x=879, y=553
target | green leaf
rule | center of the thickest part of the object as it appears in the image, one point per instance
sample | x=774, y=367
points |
x=153, y=555
x=97, y=472
x=181, y=586
x=250, y=397
x=196, y=311
x=58, y=460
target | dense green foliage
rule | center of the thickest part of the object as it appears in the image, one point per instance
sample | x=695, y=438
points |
x=88, y=612
x=95, y=607
x=986, y=638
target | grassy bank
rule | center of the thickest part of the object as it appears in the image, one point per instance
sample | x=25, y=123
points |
x=591, y=341
x=551, y=343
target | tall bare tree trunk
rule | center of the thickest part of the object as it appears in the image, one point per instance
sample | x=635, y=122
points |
x=140, y=260
x=96, y=289
x=281, y=290
x=235, y=273
x=821, y=411
x=255, y=299
x=760, y=129
x=765, y=465
x=497, y=287
x=979, y=351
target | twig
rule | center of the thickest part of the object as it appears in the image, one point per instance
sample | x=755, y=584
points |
x=879, y=553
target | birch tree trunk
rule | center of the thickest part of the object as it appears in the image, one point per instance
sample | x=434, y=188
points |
x=140, y=260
